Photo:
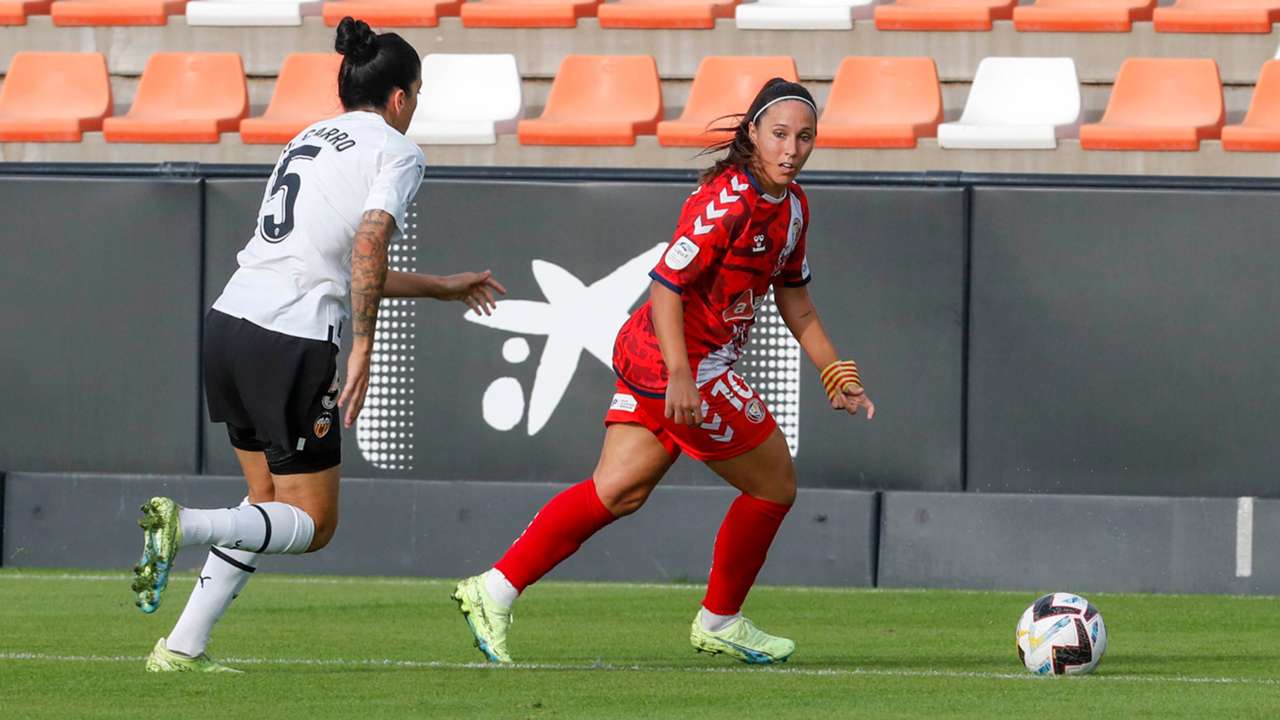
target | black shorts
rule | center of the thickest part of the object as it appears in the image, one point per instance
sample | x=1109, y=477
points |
x=277, y=393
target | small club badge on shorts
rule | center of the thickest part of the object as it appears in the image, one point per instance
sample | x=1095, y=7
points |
x=754, y=411
x=323, y=423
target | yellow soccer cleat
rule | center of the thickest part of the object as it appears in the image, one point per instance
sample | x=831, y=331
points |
x=162, y=659
x=743, y=641
x=488, y=621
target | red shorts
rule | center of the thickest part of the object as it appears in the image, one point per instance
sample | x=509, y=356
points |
x=735, y=419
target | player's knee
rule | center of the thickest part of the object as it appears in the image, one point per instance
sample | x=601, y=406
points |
x=326, y=525
x=781, y=490
x=623, y=501
x=324, y=533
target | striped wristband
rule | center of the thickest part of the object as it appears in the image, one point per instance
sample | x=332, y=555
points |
x=839, y=375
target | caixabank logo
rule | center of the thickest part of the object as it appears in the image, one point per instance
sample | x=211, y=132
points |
x=574, y=321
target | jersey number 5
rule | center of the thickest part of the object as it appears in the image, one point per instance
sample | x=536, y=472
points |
x=276, y=229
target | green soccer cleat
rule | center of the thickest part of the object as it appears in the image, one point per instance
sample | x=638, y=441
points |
x=162, y=659
x=488, y=622
x=742, y=640
x=160, y=538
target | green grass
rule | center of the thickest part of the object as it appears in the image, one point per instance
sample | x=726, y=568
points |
x=72, y=646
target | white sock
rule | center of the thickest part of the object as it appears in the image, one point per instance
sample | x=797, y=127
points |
x=269, y=528
x=220, y=581
x=500, y=588
x=712, y=622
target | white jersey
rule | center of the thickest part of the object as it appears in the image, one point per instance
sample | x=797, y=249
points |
x=295, y=273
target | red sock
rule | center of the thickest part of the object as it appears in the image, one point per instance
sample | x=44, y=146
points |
x=741, y=547
x=555, y=533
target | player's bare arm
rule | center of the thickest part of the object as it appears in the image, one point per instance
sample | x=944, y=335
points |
x=368, y=278
x=684, y=405
x=796, y=307
x=476, y=289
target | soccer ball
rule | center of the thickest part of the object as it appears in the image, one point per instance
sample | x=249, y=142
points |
x=1061, y=634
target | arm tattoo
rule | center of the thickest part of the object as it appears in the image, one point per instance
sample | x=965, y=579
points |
x=369, y=269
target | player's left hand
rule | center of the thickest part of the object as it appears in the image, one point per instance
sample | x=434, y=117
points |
x=476, y=289
x=853, y=398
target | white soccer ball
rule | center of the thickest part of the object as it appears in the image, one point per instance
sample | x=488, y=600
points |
x=1061, y=634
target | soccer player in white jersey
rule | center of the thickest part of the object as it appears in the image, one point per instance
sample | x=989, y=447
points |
x=337, y=199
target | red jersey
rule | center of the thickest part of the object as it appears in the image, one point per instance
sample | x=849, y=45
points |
x=733, y=242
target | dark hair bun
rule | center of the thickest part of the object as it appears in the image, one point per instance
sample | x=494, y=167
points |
x=356, y=40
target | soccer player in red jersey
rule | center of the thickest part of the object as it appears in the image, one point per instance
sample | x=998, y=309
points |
x=742, y=232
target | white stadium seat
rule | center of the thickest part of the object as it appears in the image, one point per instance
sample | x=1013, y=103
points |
x=466, y=99
x=1017, y=103
x=251, y=12
x=803, y=14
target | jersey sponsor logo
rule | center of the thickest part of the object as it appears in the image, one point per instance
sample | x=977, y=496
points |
x=574, y=318
x=759, y=243
x=754, y=411
x=625, y=403
x=681, y=253
x=744, y=308
x=323, y=423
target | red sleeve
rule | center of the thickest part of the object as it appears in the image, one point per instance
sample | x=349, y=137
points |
x=795, y=273
x=708, y=223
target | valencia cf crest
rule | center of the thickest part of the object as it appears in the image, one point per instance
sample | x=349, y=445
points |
x=323, y=423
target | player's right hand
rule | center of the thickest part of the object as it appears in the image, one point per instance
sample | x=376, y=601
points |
x=352, y=399
x=684, y=404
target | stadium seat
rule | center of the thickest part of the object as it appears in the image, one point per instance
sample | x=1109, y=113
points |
x=15, y=12
x=802, y=14
x=1159, y=104
x=1260, y=131
x=943, y=14
x=599, y=100
x=251, y=12
x=392, y=13
x=1218, y=16
x=466, y=99
x=657, y=14
x=306, y=91
x=54, y=97
x=527, y=13
x=184, y=98
x=115, y=12
x=722, y=86
x=1081, y=15
x=881, y=102
x=1017, y=103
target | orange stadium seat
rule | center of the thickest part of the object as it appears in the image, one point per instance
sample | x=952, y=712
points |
x=184, y=98
x=54, y=97
x=699, y=14
x=392, y=13
x=1218, y=16
x=15, y=12
x=943, y=14
x=305, y=91
x=527, y=13
x=1081, y=15
x=882, y=102
x=1160, y=104
x=722, y=86
x=599, y=100
x=115, y=12
x=1260, y=131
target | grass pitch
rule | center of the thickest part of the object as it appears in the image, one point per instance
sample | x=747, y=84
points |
x=72, y=645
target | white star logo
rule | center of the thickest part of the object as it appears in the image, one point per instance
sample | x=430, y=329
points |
x=576, y=317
